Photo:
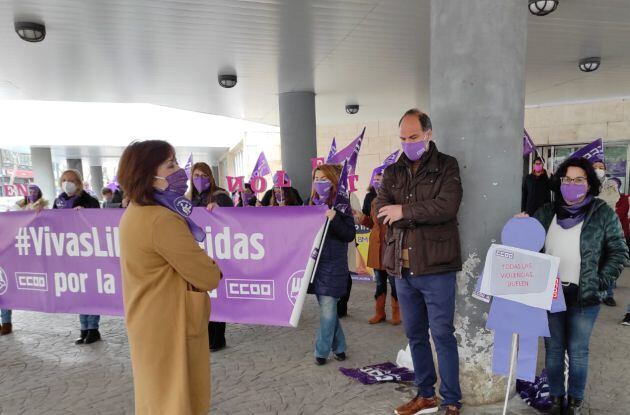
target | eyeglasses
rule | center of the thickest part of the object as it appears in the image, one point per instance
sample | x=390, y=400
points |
x=577, y=180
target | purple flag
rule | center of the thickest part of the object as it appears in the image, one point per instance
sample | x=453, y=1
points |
x=67, y=261
x=528, y=144
x=342, y=199
x=389, y=160
x=593, y=152
x=113, y=185
x=333, y=150
x=354, y=157
x=383, y=372
x=188, y=167
x=261, y=168
x=345, y=153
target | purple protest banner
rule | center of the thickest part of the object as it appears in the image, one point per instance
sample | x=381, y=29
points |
x=593, y=152
x=528, y=144
x=67, y=261
x=333, y=150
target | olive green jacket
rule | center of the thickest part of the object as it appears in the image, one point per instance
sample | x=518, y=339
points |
x=603, y=249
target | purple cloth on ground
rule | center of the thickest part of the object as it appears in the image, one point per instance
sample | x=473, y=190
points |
x=380, y=373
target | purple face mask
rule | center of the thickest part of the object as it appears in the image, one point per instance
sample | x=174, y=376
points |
x=573, y=192
x=247, y=197
x=177, y=182
x=322, y=187
x=414, y=150
x=201, y=184
x=376, y=185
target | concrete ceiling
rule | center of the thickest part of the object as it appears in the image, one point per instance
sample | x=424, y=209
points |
x=371, y=52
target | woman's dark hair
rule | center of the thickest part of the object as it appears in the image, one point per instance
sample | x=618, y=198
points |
x=138, y=166
x=290, y=195
x=208, y=172
x=593, y=182
x=538, y=158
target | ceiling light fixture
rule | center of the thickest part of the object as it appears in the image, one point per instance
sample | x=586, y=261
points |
x=30, y=31
x=227, y=81
x=590, y=64
x=352, y=109
x=542, y=7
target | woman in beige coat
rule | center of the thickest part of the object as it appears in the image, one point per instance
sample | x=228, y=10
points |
x=165, y=278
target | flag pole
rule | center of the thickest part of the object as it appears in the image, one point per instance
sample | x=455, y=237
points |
x=512, y=364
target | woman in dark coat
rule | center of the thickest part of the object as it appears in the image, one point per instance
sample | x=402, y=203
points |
x=73, y=196
x=536, y=188
x=204, y=192
x=331, y=277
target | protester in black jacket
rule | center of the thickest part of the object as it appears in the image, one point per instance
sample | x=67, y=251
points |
x=204, y=191
x=331, y=277
x=75, y=197
x=536, y=188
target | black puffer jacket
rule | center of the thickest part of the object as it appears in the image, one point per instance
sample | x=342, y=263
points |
x=84, y=201
x=331, y=277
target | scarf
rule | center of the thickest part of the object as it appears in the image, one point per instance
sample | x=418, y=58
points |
x=569, y=216
x=65, y=202
x=183, y=207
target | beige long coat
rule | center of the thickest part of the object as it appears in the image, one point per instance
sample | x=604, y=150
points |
x=166, y=321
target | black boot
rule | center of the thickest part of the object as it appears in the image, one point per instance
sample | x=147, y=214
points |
x=92, y=336
x=557, y=406
x=81, y=339
x=575, y=406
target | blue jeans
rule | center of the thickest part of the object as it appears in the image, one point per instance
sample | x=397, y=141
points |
x=5, y=316
x=330, y=335
x=381, y=278
x=428, y=301
x=571, y=332
x=89, y=322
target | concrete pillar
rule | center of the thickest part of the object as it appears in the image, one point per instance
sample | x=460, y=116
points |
x=96, y=180
x=41, y=159
x=477, y=74
x=298, y=137
x=76, y=164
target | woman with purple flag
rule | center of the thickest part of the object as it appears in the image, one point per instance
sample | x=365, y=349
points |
x=247, y=197
x=165, y=276
x=205, y=193
x=34, y=201
x=331, y=277
x=73, y=196
x=585, y=233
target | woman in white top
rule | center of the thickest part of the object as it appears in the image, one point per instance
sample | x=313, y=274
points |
x=585, y=233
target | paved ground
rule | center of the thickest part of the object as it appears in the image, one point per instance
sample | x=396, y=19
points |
x=265, y=370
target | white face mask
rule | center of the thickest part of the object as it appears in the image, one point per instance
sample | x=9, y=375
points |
x=601, y=174
x=69, y=187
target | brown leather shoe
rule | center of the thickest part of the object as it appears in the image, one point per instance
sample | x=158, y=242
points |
x=418, y=405
x=6, y=328
x=452, y=410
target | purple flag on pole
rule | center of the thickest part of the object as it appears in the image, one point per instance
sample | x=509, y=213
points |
x=346, y=152
x=188, y=167
x=528, y=144
x=593, y=152
x=389, y=160
x=333, y=150
x=113, y=185
x=342, y=199
x=262, y=167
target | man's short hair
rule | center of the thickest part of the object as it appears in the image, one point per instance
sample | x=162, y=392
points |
x=107, y=191
x=425, y=121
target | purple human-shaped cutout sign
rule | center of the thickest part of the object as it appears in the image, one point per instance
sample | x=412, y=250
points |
x=507, y=317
